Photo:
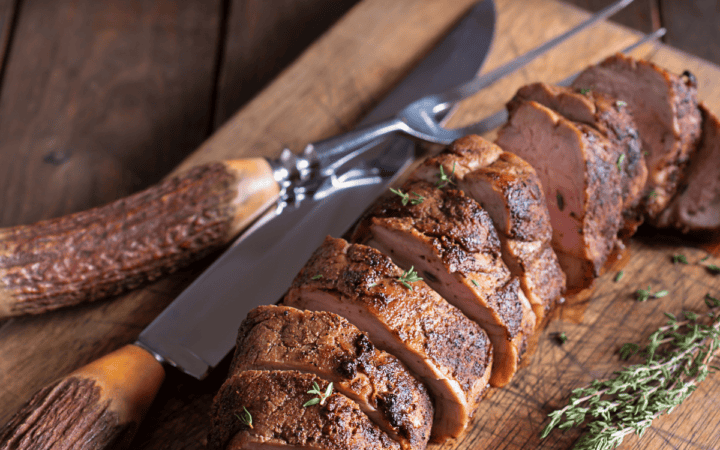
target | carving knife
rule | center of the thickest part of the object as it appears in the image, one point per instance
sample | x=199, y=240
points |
x=309, y=196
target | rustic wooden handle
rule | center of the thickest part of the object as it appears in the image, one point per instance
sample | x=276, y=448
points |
x=96, y=407
x=108, y=250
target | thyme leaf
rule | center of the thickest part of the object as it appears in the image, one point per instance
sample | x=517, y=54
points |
x=409, y=276
x=245, y=417
x=321, y=396
x=679, y=259
x=620, y=160
x=619, y=276
x=643, y=295
x=445, y=179
x=405, y=198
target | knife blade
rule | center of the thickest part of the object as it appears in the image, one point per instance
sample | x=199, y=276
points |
x=114, y=392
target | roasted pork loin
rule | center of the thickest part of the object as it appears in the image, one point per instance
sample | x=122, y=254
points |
x=326, y=345
x=274, y=400
x=666, y=113
x=612, y=119
x=697, y=204
x=450, y=353
x=451, y=242
x=509, y=190
x=578, y=171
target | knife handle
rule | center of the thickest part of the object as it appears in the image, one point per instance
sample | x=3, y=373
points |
x=96, y=407
x=111, y=249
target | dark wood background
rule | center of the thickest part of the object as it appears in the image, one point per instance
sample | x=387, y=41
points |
x=101, y=99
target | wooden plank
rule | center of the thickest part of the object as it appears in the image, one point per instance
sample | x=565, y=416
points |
x=100, y=99
x=370, y=49
x=693, y=27
x=261, y=41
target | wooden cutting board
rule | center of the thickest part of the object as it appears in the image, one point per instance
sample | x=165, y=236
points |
x=326, y=91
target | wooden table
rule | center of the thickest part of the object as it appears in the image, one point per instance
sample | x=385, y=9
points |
x=101, y=99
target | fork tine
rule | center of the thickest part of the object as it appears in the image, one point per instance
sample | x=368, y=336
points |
x=471, y=87
x=500, y=117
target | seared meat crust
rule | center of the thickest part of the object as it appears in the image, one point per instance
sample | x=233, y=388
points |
x=275, y=400
x=445, y=349
x=666, y=113
x=612, y=119
x=452, y=243
x=578, y=171
x=696, y=207
x=326, y=345
x=509, y=190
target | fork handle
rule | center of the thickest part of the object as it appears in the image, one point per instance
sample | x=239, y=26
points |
x=108, y=250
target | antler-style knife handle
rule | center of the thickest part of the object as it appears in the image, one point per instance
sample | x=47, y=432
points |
x=111, y=249
x=96, y=407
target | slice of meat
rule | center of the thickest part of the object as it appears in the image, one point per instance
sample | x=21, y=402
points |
x=697, y=205
x=274, y=400
x=452, y=243
x=509, y=190
x=578, y=172
x=612, y=119
x=450, y=353
x=326, y=345
x=666, y=113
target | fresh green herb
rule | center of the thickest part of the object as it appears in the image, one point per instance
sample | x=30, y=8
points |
x=652, y=194
x=705, y=258
x=620, y=104
x=620, y=160
x=679, y=259
x=475, y=283
x=408, y=277
x=713, y=269
x=585, y=91
x=406, y=197
x=560, y=200
x=619, y=276
x=245, y=418
x=643, y=295
x=711, y=301
x=321, y=396
x=677, y=358
x=445, y=179
x=316, y=277
x=372, y=284
x=562, y=338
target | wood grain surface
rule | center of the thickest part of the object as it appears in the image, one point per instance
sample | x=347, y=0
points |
x=81, y=74
x=327, y=90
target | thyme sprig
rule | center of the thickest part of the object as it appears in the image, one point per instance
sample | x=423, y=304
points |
x=245, y=418
x=677, y=358
x=409, y=276
x=405, y=198
x=445, y=179
x=321, y=396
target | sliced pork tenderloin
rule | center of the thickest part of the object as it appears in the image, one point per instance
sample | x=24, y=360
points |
x=326, y=345
x=452, y=244
x=578, y=172
x=509, y=190
x=666, y=113
x=275, y=401
x=450, y=353
x=696, y=208
x=609, y=116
